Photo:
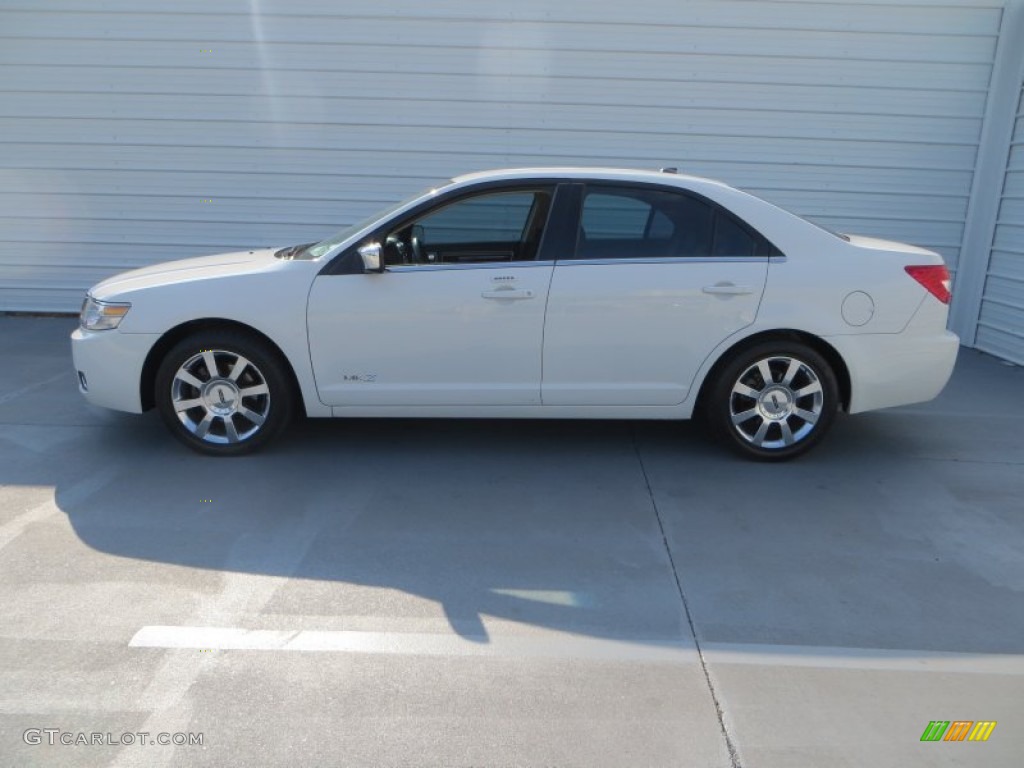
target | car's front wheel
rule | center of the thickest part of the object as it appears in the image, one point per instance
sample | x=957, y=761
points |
x=773, y=401
x=223, y=393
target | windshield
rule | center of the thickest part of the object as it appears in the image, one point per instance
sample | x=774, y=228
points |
x=317, y=250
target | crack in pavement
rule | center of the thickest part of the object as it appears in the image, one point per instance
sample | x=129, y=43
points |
x=719, y=711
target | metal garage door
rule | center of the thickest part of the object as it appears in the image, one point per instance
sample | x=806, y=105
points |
x=136, y=132
x=1001, y=320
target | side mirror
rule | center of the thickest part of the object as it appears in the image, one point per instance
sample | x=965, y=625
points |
x=370, y=254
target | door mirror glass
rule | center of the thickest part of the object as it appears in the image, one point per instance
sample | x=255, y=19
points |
x=370, y=254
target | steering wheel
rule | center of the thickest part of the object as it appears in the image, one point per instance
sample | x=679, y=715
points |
x=394, y=249
x=416, y=241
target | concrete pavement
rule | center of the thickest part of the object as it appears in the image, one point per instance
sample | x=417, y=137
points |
x=460, y=593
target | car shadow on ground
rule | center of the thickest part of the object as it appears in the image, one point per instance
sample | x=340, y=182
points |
x=548, y=524
x=879, y=539
x=902, y=530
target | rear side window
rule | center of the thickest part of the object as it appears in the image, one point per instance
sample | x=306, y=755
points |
x=609, y=216
x=632, y=221
x=732, y=238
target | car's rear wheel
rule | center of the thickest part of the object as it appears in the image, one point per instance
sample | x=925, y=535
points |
x=223, y=393
x=773, y=401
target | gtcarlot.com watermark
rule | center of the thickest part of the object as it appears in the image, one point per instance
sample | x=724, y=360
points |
x=55, y=737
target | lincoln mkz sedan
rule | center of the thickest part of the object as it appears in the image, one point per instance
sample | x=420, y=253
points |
x=537, y=293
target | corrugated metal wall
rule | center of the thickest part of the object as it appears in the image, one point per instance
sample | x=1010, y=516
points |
x=131, y=136
x=1001, y=320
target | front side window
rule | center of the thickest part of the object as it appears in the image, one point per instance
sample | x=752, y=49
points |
x=622, y=221
x=485, y=227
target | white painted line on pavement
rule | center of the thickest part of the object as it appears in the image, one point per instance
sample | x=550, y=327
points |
x=560, y=646
x=550, y=596
x=881, y=659
x=570, y=646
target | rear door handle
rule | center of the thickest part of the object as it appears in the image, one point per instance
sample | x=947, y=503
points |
x=508, y=293
x=728, y=289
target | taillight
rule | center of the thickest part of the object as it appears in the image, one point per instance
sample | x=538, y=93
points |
x=935, y=278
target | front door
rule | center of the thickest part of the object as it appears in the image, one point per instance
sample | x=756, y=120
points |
x=456, y=319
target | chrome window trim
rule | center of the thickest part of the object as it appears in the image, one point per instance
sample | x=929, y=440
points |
x=669, y=260
x=482, y=265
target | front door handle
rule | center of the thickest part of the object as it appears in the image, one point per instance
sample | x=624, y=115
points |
x=728, y=289
x=508, y=293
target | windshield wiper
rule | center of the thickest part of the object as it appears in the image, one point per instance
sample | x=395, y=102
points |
x=292, y=252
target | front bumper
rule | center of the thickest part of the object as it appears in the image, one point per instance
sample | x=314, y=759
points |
x=109, y=366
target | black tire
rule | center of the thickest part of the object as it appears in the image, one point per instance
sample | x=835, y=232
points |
x=780, y=424
x=236, y=423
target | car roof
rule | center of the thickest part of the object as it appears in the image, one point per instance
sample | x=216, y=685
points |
x=572, y=172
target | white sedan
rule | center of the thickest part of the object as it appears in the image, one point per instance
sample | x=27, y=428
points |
x=536, y=293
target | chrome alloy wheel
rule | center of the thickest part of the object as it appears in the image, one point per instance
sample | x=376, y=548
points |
x=220, y=396
x=776, y=402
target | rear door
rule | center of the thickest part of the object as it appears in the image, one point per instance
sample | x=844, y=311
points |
x=657, y=279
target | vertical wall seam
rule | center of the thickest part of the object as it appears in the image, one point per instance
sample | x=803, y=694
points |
x=989, y=173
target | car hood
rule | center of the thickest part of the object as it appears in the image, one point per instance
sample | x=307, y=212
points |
x=186, y=270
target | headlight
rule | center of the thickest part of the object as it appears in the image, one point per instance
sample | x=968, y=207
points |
x=102, y=315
